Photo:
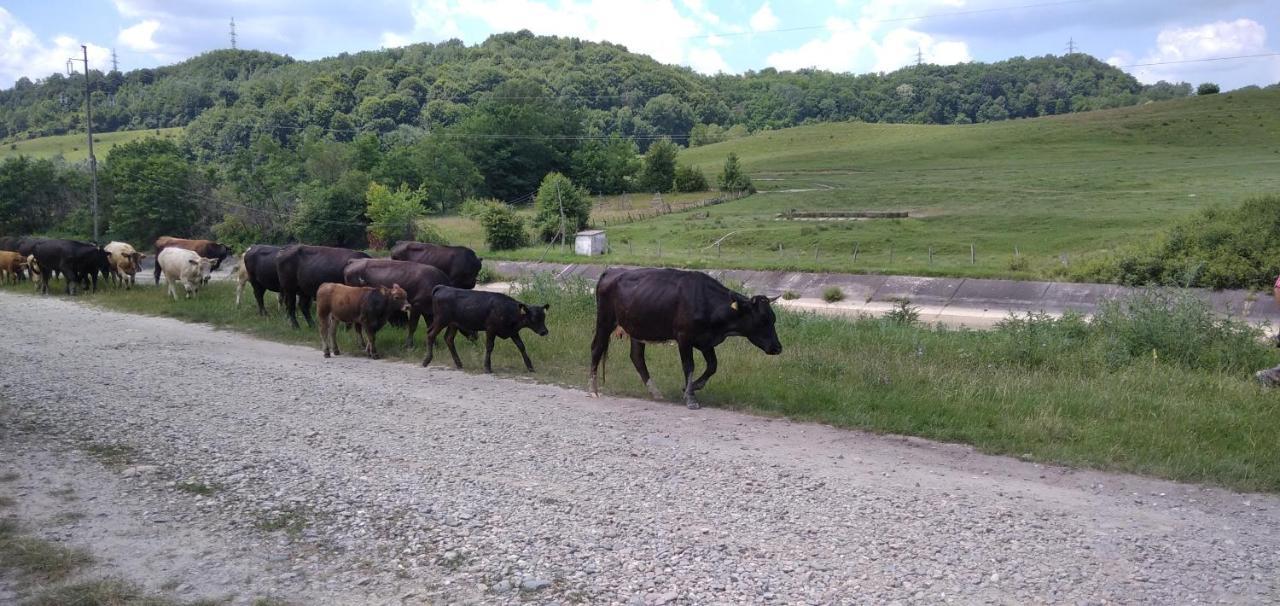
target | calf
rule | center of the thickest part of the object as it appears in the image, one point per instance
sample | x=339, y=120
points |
x=689, y=307
x=496, y=314
x=366, y=308
x=182, y=265
x=124, y=262
x=12, y=265
x=301, y=269
x=205, y=248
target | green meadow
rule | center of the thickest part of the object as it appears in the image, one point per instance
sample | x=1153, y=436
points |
x=75, y=147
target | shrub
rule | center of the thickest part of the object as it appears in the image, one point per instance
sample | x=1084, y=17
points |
x=833, y=294
x=393, y=214
x=1207, y=88
x=690, y=179
x=557, y=190
x=1179, y=328
x=732, y=179
x=790, y=295
x=1215, y=248
x=331, y=215
x=503, y=228
x=1038, y=340
x=1018, y=263
x=903, y=313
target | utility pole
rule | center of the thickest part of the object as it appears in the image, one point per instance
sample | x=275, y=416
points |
x=233, y=33
x=1071, y=46
x=93, y=160
x=115, y=65
x=919, y=56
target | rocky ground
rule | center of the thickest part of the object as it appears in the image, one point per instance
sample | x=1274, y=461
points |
x=203, y=463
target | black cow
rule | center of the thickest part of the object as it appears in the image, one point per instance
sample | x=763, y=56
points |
x=260, y=264
x=77, y=261
x=301, y=270
x=690, y=307
x=27, y=246
x=496, y=314
x=10, y=243
x=459, y=262
x=416, y=279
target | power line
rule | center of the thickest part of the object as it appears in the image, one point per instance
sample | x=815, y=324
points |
x=1258, y=56
x=895, y=19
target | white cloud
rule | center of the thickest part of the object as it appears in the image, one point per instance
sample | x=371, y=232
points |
x=394, y=40
x=140, y=37
x=1207, y=41
x=22, y=53
x=764, y=19
x=848, y=47
x=708, y=61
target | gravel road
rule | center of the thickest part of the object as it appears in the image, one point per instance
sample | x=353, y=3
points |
x=353, y=481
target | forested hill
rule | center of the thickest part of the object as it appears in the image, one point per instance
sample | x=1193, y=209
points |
x=231, y=93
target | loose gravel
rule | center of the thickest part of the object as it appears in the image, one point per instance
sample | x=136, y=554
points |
x=357, y=481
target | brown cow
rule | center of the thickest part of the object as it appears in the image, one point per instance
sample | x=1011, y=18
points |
x=365, y=307
x=12, y=265
x=205, y=248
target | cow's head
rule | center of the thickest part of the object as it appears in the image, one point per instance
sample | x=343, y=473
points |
x=399, y=298
x=755, y=321
x=218, y=252
x=534, y=317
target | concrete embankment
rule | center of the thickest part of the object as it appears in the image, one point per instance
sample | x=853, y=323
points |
x=971, y=302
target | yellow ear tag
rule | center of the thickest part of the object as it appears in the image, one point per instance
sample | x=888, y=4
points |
x=734, y=306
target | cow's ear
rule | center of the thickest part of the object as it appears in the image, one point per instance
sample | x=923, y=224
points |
x=193, y=261
x=734, y=305
x=546, y=306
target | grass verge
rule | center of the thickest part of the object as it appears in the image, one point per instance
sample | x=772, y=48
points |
x=1165, y=394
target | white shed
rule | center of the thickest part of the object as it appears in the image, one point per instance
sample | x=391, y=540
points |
x=591, y=242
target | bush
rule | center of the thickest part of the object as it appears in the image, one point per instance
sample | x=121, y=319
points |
x=393, y=214
x=833, y=294
x=1215, y=248
x=903, y=313
x=503, y=228
x=1207, y=88
x=790, y=295
x=1179, y=328
x=1039, y=340
x=331, y=215
x=557, y=190
x=732, y=179
x=690, y=179
x=1018, y=263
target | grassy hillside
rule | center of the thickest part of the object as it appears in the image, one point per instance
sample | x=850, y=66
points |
x=1054, y=189
x=74, y=148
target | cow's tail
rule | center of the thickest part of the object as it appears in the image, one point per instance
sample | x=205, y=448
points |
x=606, y=321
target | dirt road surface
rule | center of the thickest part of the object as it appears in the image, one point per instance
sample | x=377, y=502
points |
x=350, y=481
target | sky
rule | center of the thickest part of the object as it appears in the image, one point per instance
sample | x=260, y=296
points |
x=38, y=36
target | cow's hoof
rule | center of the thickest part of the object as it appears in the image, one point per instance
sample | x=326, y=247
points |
x=692, y=404
x=426, y=363
x=654, y=392
x=326, y=354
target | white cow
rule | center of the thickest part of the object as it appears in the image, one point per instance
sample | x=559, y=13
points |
x=33, y=268
x=125, y=262
x=182, y=265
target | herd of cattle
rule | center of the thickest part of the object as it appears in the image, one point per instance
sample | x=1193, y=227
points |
x=428, y=281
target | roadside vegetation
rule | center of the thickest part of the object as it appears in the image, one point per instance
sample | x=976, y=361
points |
x=1156, y=385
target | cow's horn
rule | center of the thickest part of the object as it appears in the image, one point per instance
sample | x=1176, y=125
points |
x=774, y=299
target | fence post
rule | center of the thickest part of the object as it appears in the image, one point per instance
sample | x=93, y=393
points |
x=815, y=253
x=1066, y=261
x=717, y=250
x=973, y=255
x=659, y=249
x=1015, y=251
x=930, y=255
x=630, y=248
x=855, y=252
x=891, y=254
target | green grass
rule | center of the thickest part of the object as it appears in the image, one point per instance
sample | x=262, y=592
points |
x=75, y=147
x=1056, y=189
x=1100, y=400
x=35, y=559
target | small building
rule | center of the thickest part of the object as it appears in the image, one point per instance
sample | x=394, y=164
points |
x=590, y=242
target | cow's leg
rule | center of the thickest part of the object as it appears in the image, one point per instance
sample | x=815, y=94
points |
x=453, y=351
x=372, y=337
x=304, y=303
x=432, y=332
x=411, y=328
x=642, y=368
x=605, y=323
x=258, y=293
x=157, y=270
x=686, y=362
x=708, y=354
x=291, y=306
x=324, y=335
x=359, y=330
x=528, y=364
x=172, y=292
x=46, y=275
x=488, y=350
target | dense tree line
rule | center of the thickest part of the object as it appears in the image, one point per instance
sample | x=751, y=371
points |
x=229, y=95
